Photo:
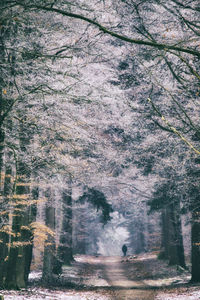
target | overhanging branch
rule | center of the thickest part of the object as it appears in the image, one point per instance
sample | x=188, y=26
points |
x=105, y=30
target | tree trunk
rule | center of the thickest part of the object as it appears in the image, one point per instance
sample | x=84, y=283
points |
x=164, y=254
x=20, y=252
x=4, y=235
x=176, y=250
x=50, y=263
x=195, y=239
x=172, y=239
x=21, y=245
x=65, y=250
x=32, y=212
x=79, y=232
x=140, y=239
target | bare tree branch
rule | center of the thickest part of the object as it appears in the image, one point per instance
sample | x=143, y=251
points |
x=105, y=30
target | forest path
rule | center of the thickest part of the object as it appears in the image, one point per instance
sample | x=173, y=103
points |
x=112, y=272
x=117, y=276
x=113, y=278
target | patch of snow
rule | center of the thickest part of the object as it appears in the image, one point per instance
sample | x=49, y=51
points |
x=54, y=295
x=34, y=275
x=167, y=281
x=183, y=296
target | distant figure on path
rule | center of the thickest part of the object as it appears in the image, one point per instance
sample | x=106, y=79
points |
x=124, y=249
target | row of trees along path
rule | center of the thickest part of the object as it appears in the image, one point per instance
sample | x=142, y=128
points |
x=64, y=124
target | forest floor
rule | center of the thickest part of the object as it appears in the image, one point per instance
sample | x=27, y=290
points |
x=113, y=278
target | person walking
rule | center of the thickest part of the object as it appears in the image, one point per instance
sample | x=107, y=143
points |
x=124, y=249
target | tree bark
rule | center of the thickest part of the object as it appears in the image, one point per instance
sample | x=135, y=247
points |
x=176, y=249
x=65, y=251
x=195, y=239
x=4, y=235
x=50, y=262
x=140, y=239
x=172, y=239
x=20, y=252
x=21, y=245
x=165, y=234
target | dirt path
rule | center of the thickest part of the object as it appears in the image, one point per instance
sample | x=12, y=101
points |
x=131, y=278
x=116, y=275
x=112, y=278
x=112, y=273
